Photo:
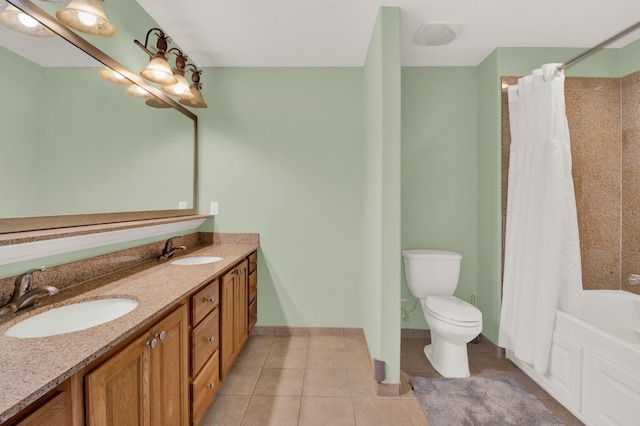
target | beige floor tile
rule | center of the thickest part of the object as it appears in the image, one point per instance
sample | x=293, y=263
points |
x=327, y=358
x=335, y=342
x=381, y=412
x=415, y=412
x=290, y=342
x=358, y=359
x=272, y=411
x=240, y=381
x=287, y=358
x=326, y=383
x=251, y=359
x=226, y=410
x=280, y=381
x=362, y=383
x=323, y=411
x=258, y=343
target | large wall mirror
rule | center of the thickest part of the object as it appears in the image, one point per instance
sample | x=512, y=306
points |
x=77, y=150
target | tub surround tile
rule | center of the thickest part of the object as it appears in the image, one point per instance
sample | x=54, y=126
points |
x=158, y=288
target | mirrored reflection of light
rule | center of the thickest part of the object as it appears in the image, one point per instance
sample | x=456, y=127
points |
x=27, y=20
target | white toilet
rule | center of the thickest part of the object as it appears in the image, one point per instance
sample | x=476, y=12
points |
x=432, y=276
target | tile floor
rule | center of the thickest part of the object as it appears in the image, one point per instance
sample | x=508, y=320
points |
x=326, y=380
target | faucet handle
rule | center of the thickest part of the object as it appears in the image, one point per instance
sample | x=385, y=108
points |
x=24, y=282
x=168, y=245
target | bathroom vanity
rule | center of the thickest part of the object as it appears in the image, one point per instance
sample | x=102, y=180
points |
x=161, y=363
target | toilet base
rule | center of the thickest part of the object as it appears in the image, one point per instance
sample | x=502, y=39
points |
x=448, y=359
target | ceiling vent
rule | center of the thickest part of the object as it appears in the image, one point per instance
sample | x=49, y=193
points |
x=437, y=33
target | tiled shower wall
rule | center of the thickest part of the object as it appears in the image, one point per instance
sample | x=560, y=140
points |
x=604, y=125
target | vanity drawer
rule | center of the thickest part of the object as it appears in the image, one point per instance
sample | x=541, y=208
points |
x=253, y=261
x=203, y=302
x=204, y=388
x=253, y=314
x=204, y=341
x=253, y=285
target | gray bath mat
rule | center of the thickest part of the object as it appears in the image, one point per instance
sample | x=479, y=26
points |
x=479, y=401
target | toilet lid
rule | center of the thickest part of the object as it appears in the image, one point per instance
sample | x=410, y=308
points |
x=452, y=308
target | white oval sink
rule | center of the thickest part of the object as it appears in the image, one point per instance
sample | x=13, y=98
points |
x=196, y=260
x=74, y=317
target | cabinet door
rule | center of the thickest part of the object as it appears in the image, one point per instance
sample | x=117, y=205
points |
x=117, y=392
x=241, y=320
x=57, y=411
x=227, y=347
x=169, y=381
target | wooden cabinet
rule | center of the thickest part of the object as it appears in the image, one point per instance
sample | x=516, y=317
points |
x=253, y=290
x=205, y=341
x=59, y=407
x=146, y=383
x=234, y=315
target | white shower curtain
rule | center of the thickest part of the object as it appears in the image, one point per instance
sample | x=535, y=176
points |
x=542, y=252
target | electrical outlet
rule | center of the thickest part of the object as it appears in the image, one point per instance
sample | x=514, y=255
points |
x=182, y=205
x=213, y=207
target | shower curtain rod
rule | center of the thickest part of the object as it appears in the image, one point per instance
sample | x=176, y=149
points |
x=598, y=47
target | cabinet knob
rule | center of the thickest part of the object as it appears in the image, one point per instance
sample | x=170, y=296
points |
x=210, y=339
x=153, y=343
x=161, y=335
x=211, y=385
x=210, y=299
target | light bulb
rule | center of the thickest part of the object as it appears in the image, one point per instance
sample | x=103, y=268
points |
x=27, y=20
x=87, y=18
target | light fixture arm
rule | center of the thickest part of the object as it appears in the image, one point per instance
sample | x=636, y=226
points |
x=195, y=75
x=181, y=59
x=161, y=44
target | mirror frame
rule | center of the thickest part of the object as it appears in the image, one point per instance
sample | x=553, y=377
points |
x=20, y=224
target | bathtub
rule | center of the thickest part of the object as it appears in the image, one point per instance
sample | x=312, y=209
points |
x=594, y=369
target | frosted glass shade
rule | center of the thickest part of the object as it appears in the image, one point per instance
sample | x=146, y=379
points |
x=159, y=71
x=112, y=76
x=12, y=18
x=86, y=16
x=197, y=101
x=137, y=91
x=181, y=88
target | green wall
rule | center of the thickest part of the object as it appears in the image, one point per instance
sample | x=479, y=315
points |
x=439, y=171
x=382, y=192
x=281, y=151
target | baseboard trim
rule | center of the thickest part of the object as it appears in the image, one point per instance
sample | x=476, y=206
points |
x=307, y=331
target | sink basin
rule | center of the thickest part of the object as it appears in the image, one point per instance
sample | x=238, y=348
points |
x=74, y=317
x=196, y=260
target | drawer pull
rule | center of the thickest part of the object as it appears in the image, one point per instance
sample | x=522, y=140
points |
x=210, y=299
x=210, y=339
x=161, y=335
x=211, y=385
x=153, y=343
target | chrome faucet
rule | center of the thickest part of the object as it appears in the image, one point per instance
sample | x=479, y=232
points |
x=23, y=295
x=169, y=249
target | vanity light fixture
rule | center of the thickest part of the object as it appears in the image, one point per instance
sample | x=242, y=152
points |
x=158, y=69
x=86, y=16
x=197, y=101
x=112, y=76
x=16, y=20
x=154, y=102
x=137, y=91
x=181, y=87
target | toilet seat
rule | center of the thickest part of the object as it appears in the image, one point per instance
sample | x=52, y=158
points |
x=453, y=311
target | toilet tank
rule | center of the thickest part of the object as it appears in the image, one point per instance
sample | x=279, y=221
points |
x=431, y=272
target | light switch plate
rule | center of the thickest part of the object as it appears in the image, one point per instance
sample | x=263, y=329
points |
x=213, y=207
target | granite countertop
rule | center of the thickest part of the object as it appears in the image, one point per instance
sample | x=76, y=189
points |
x=29, y=368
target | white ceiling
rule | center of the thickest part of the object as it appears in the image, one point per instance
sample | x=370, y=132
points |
x=317, y=33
